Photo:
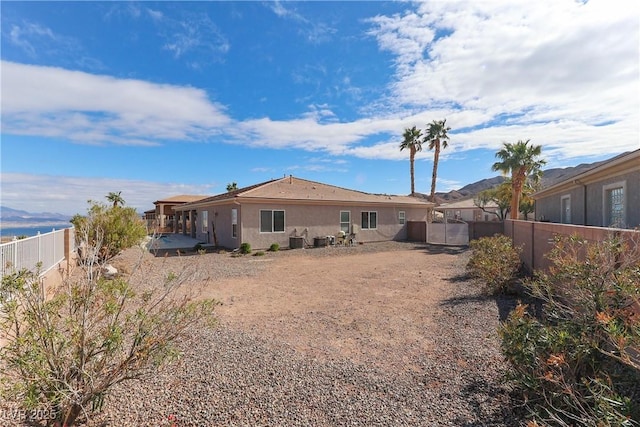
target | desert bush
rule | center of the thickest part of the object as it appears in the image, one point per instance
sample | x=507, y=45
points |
x=495, y=262
x=65, y=349
x=108, y=230
x=245, y=248
x=578, y=362
x=274, y=247
x=259, y=253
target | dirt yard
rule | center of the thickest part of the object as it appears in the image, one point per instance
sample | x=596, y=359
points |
x=372, y=307
x=385, y=334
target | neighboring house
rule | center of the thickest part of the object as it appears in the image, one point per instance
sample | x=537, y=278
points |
x=606, y=196
x=466, y=210
x=163, y=216
x=274, y=211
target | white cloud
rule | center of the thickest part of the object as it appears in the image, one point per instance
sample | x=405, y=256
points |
x=87, y=108
x=69, y=195
x=193, y=35
x=315, y=32
x=557, y=68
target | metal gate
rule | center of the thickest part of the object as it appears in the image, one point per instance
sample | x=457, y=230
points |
x=450, y=233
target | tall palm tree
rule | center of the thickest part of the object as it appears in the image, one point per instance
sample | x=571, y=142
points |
x=520, y=160
x=115, y=198
x=437, y=138
x=413, y=143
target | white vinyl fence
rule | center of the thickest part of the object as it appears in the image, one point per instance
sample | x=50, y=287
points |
x=47, y=249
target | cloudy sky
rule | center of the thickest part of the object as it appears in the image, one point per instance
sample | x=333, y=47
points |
x=158, y=99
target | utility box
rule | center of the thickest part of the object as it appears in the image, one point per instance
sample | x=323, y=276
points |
x=296, y=242
x=319, y=242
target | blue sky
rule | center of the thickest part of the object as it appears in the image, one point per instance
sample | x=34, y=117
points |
x=156, y=99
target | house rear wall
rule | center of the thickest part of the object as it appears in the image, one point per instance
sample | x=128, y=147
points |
x=303, y=220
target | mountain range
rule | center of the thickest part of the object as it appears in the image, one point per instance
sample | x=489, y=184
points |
x=549, y=178
x=10, y=218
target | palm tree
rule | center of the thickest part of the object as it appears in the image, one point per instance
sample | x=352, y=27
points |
x=520, y=160
x=232, y=186
x=412, y=142
x=115, y=198
x=436, y=137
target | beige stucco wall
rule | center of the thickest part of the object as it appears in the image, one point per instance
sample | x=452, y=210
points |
x=220, y=218
x=308, y=220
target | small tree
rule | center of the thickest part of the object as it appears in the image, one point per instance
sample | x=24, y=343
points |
x=499, y=195
x=66, y=349
x=108, y=230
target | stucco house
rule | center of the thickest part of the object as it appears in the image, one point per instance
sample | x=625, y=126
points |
x=278, y=210
x=607, y=195
x=162, y=217
x=466, y=210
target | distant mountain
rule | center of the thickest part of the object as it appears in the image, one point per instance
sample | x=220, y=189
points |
x=549, y=178
x=17, y=218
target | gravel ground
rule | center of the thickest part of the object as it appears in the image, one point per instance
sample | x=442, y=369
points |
x=252, y=370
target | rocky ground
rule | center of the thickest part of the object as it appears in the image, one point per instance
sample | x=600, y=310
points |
x=387, y=334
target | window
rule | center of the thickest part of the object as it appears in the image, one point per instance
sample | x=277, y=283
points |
x=565, y=209
x=614, y=209
x=271, y=221
x=234, y=223
x=369, y=220
x=205, y=221
x=345, y=221
x=401, y=217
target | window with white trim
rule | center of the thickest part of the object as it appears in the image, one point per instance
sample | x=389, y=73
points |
x=614, y=205
x=401, y=217
x=345, y=221
x=234, y=223
x=369, y=220
x=271, y=221
x=205, y=222
x=565, y=209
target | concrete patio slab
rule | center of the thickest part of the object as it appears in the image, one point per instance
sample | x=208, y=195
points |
x=172, y=241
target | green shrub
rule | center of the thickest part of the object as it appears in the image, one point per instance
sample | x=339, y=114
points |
x=274, y=247
x=495, y=262
x=109, y=229
x=65, y=349
x=578, y=362
x=245, y=248
x=259, y=253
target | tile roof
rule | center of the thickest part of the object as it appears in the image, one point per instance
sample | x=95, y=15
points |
x=184, y=198
x=464, y=204
x=296, y=189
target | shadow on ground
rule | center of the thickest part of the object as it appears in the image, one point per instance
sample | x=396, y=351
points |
x=476, y=390
x=441, y=249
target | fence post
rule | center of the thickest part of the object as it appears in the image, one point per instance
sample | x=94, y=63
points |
x=67, y=248
x=15, y=252
x=533, y=246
